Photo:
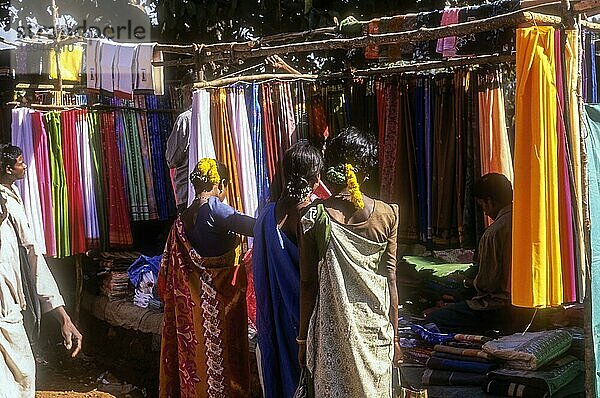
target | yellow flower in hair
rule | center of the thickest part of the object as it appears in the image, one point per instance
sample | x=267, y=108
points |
x=354, y=187
x=208, y=167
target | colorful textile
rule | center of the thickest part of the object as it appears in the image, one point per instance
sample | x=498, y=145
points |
x=430, y=337
x=204, y=349
x=536, y=260
x=69, y=59
x=275, y=265
x=464, y=352
x=458, y=357
x=472, y=338
x=70, y=155
x=459, y=365
x=98, y=176
x=42, y=164
x=447, y=45
x=433, y=377
x=592, y=143
x=22, y=136
x=59, y=190
x=258, y=142
x=541, y=383
x=531, y=350
x=351, y=313
x=494, y=147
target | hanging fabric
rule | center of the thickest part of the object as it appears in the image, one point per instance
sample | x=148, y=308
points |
x=493, y=135
x=60, y=200
x=536, y=261
x=68, y=120
x=592, y=143
x=92, y=232
x=224, y=147
x=574, y=142
x=564, y=188
x=201, y=136
x=42, y=165
x=258, y=144
x=22, y=136
x=97, y=171
x=242, y=140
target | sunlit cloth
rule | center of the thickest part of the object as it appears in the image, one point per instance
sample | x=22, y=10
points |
x=447, y=45
x=42, y=165
x=240, y=132
x=97, y=171
x=464, y=352
x=536, y=260
x=123, y=70
x=60, y=199
x=17, y=365
x=22, y=136
x=149, y=78
x=147, y=162
x=92, y=63
x=108, y=51
x=258, y=141
x=201, y=136
x=349, y=343
x=224, y=147
x=275, y=264
x=204, y=349
x=70, y=59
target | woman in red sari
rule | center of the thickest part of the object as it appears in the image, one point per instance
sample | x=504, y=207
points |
x=204, y=350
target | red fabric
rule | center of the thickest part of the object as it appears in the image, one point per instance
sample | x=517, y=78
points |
x=372, y=50
x=40, y=148
x=204, y=348
x=250, y=293
x=70, y=155
x=119, y=227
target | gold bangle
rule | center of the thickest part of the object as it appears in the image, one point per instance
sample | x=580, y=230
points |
x=300, y=341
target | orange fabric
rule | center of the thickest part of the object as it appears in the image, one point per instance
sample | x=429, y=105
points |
x=224, y=149
x=536, y=260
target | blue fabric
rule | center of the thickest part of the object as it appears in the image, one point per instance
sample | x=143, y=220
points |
x=142, y=265
x=593, y=80
x=258, y=143
x=430, y=337
x=275, y=265
x=460, y=366
x=216, y=228
x=592, y=113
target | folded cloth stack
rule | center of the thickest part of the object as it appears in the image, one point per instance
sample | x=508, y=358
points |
x=530, y=351
x=113, y=271
x=534, y=384
x=454, y=366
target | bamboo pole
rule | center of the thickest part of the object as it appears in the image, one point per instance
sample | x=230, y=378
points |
x=513, y=19
x=252, y=78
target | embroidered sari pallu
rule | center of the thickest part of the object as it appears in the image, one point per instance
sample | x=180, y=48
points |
x=204, y=350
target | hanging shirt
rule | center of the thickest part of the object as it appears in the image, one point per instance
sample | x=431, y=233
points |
x=177, y=154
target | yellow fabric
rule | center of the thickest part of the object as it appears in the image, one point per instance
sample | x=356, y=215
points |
x=536, y=260
x=224, y=149
x=572, y=70
x=70, y=59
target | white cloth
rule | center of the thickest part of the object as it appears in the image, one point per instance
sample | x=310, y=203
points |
x=10, y=279
x=108, y=52
x=124, y=70
x=201, y=139
x=17, y=365
x=22, y=136
x=350, y=337
x=149, y=79
x=242, y=140
x=92, y=56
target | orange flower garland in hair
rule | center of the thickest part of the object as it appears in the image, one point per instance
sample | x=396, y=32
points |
x=208, y=167
x=353, y=187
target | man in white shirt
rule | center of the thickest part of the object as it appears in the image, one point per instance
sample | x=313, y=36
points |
x=17, y=365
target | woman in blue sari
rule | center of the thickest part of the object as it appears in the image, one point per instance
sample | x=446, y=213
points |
x=275, y=265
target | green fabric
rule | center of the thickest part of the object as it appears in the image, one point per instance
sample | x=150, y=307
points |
x=352, y=27
x=135, y=170
x=98, y=173
x=147, y=167
x=592, y=118
x=60, y=209
x=320, y=232
x=439, y=268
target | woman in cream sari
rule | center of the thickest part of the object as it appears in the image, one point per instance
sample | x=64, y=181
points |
x=348, y=297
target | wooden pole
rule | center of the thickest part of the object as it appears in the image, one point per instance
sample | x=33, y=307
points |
x=513, y=19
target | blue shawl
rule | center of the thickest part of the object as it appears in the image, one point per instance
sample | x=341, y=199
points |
x=275, y=265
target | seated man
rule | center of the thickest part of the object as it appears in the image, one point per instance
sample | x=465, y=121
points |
x=491, y=305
